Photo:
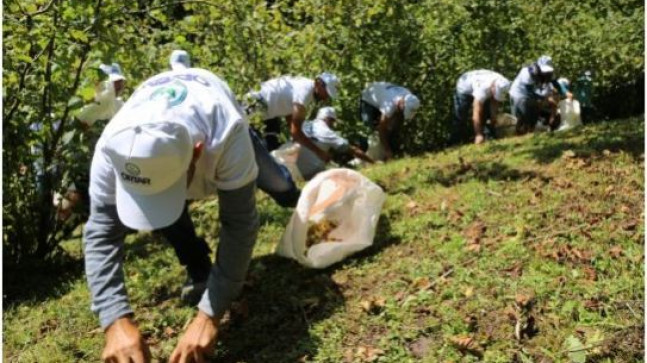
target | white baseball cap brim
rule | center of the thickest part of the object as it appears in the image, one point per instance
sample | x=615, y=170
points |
x=154, y=211
x=331, y=89
x=113, y=77
x=411, y=105
x=544, y=68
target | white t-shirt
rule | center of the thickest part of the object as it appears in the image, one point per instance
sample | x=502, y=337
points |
x=525, y=86
x=384, y=96
x=281, y=93
x=104, y=107
x=205, y=105
x=477, y=84
x=326, y=139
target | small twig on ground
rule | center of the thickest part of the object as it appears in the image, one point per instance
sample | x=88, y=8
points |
x=494, y=193
x=450, y=271
x=631, y=309
x=554, y=234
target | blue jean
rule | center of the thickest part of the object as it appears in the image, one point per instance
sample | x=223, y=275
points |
x=462, y=129
x=273, y=178
x=192, y=251
x=369, y=114
x=526, y=110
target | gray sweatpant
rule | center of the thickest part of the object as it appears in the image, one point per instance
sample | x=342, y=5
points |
x=103, y=238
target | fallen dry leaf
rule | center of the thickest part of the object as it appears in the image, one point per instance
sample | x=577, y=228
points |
x=340, y=279
x=524, y=301
x=422, y=283
x=475, y=231
x=373, y=305
x=515, y=270
x=568, y=154
x=466, y=344
x=630, y=226
x=461, y=341
x=590, y=273
x=593, y=304
x=169, y=332
x=616, y=251
x=367, y=353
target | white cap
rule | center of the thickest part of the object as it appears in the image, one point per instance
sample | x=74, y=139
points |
x=501, y=88
x=180, y=59
x=113, y=71
x=150, y=161
x=331, y=81
x=564, y=81
x=326, y=112
x=411, y=105
x=545, y=64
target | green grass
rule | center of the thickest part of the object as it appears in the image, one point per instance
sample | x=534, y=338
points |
x=466, y=237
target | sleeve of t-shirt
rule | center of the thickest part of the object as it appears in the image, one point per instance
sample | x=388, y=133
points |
x=102, y=177
x=544, y=90
x=302, y=92
x=329, y=137
x=387, y=108
x=89, y=114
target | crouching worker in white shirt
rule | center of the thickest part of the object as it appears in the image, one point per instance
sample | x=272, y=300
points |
x=180, y=136
x=321, y=132
x=482, y=92
x=383, y=107
x=107, y=98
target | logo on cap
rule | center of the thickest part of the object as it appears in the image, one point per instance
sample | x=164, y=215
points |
x=132, y=169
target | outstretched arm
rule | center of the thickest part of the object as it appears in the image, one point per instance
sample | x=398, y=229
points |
x=477, y=117
x=103, y=238
x=239, y=227
x=357, y=152
x=296, y=121
x=383, y=131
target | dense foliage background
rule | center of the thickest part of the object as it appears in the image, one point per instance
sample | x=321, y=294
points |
x=52, y=49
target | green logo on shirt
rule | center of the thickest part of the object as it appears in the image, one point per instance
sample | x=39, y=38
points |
x=175, y=93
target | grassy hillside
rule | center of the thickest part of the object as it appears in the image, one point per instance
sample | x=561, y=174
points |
x=527, y=249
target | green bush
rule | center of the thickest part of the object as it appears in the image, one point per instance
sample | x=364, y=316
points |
x=52, y=49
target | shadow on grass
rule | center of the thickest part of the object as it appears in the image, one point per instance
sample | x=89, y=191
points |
x=38, y=281
x=284, y=300
x=464, y=172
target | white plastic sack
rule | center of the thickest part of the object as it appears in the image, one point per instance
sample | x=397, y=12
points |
x=375, y=148
x=287, y=154
x=506, y=125
x=341, y=197
x=570, y=114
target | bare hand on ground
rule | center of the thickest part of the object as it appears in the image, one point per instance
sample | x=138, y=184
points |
x=198, y=340
x=124, y=343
